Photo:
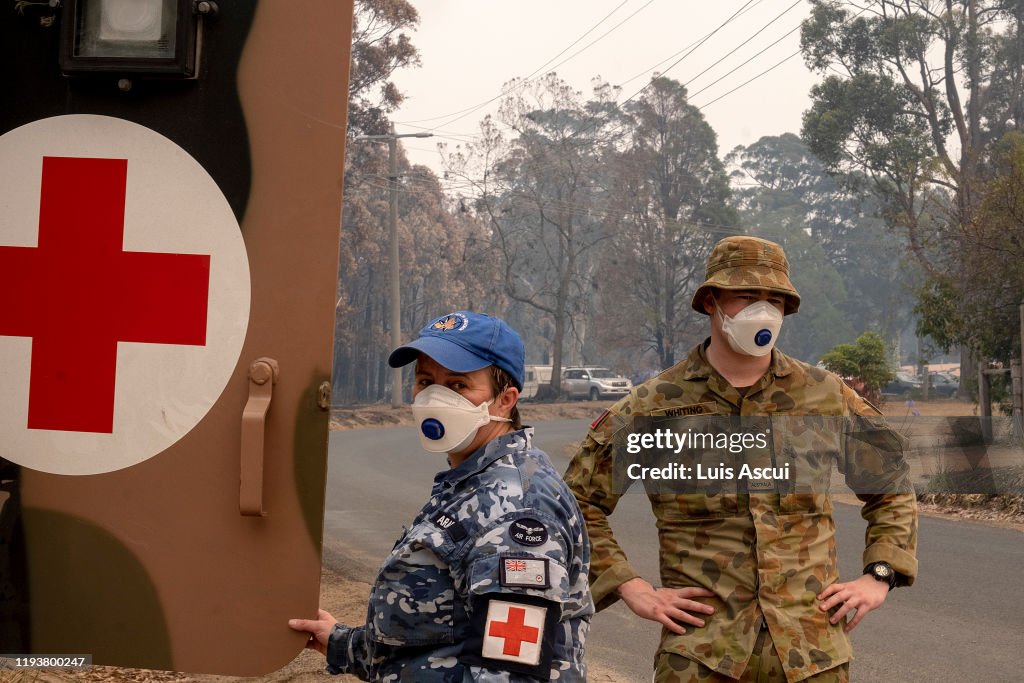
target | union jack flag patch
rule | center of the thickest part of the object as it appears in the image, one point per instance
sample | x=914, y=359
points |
x=525, y=572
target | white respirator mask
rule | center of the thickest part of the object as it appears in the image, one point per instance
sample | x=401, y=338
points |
x=447, y=420
x=754, y=330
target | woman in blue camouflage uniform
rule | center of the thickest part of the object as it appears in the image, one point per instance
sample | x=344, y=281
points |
x=489, y=583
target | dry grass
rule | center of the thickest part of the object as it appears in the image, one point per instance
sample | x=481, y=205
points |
x=936, y=408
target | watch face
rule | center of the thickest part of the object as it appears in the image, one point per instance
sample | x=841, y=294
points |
x=882, y=570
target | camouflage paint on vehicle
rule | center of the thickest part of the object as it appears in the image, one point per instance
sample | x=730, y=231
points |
x=208, y=590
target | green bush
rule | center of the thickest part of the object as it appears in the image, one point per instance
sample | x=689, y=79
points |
x=865, y=362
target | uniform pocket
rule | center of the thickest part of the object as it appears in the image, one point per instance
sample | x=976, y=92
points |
x=413, y=599
x=694, y=507
x=808, y=447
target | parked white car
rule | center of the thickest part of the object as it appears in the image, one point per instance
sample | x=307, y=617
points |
x=594, y=383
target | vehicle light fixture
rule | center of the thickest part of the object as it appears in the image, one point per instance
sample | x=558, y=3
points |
x=151, y=38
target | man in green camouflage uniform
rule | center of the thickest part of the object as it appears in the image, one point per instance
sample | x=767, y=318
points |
x=750, y=581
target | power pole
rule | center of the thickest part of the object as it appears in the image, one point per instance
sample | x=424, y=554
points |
x=396, y=308
x=1018, y=384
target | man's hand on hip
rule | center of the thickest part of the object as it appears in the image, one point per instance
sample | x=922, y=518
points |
x=864, y=595
x=668, y=606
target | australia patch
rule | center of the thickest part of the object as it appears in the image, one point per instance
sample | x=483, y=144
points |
x=524, y=572
x=451, y=526
x=528, y=531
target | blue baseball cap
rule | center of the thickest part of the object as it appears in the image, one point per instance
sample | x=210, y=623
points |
x=463, y=342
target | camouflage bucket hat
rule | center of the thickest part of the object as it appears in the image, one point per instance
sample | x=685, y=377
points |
x=743, y=262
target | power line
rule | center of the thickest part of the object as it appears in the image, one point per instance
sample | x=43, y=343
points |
x=524, y=82
x=674, y=55
x=471, y=109
x=465, y=138
x=751, y=80
x=750, y=4
x=601, y=37
x=694, y=49
x=769, y=69
x=740, y=66
x=751, y=37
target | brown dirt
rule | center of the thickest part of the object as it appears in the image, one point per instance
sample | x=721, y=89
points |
x=343, y=597
x=1004, y=511
x=937, y=408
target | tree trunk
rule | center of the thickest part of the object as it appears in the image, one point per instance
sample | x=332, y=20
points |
x=556, y=354
x=968, y=369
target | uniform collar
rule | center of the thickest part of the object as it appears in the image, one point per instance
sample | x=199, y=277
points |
x=483, y=457
x=698, y=366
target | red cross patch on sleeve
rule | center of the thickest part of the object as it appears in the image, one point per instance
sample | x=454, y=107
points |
x=513, y=633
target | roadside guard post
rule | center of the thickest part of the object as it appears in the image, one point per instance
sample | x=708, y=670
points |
x=170, y=193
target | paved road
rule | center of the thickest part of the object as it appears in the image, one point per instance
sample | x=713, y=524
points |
x=962, y=621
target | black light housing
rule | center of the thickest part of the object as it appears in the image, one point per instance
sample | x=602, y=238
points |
x=154, y=38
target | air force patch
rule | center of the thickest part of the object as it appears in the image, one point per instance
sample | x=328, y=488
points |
x=528, y=531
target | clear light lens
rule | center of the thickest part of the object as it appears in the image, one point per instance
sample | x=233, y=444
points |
x=130, y=19
x=127, y=28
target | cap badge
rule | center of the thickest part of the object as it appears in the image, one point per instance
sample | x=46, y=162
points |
x=455, y=321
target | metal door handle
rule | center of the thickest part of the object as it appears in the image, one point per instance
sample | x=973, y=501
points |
x=262, y=376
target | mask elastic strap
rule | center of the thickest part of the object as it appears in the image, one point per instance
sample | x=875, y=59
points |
x=720, y=313
x=494, y=418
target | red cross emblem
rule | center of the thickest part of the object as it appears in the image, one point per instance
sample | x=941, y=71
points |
x=514, y=631
x=78, y=294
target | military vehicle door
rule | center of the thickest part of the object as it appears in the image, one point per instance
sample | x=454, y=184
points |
x=168, y=268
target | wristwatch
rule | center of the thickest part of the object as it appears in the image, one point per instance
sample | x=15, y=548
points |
x=882, y=571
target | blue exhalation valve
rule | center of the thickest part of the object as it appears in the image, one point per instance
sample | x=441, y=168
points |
x=763, y=337
x=432, y=429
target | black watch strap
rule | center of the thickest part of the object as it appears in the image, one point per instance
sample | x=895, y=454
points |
x=882, y=571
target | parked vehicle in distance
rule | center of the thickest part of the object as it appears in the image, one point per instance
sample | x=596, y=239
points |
x=942, y=385
x=535, y=376
x=904, y=385
x=594, y=383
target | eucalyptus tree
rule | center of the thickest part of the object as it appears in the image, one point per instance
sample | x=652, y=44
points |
x=849, y=268
x=444, y=257
x=671, y=203
x=380, y=46
x=536, y=176
x=916, y=94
